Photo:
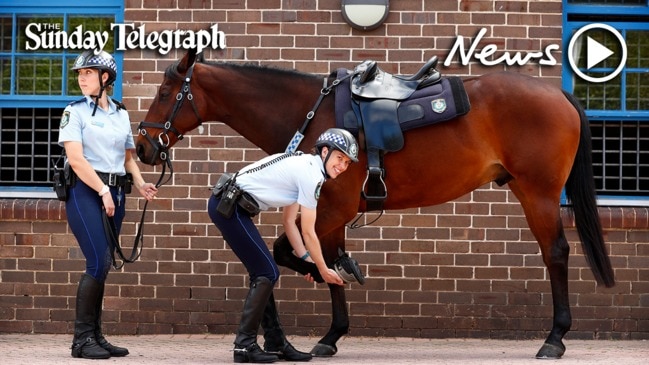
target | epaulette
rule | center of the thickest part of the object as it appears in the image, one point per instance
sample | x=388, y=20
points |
x=119, y=104
x=77, y=101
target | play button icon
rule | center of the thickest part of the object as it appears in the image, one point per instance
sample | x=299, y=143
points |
x=596, y=52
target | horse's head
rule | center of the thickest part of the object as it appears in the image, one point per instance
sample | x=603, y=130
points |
x=173, y=113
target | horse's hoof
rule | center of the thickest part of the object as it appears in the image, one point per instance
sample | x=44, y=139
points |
x=550, y=351
x=322, y=350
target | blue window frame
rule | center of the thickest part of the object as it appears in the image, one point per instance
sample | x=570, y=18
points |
x=41, y=78
x=618, y=109
x=35, y=86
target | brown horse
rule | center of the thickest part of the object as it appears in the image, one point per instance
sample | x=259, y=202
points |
x=520, y=131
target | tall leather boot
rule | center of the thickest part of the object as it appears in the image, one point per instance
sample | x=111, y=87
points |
x=84, y=344
x=246, y=348
x=275, y=341
x=115, y=351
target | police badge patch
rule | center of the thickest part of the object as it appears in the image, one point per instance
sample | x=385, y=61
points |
x=317, y=190
x=438, y=105
x=353, y=149
x=65, y=119
x=80, y=60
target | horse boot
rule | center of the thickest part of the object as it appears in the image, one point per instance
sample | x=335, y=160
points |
x=84, y=344
x=246, y=349
x=115, y=351
x=275, y=341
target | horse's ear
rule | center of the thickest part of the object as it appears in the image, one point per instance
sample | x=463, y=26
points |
x=200, y=57
x=187, y=60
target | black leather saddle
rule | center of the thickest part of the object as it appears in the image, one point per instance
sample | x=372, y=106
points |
x=370, y=82
x=375, y=98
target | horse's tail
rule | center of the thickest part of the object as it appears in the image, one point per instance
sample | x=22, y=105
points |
x=580, y=191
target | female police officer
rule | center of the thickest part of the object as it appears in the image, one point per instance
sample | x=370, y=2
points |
x=293, y=183
x=96, y=134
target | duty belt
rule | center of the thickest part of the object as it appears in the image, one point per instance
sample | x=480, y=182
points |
x=112, y=179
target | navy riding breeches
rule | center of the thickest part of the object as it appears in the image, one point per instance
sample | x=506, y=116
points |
x=245, y=241
x=84, y=211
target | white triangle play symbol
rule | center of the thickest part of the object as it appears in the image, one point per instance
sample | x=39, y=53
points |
x=596, y=53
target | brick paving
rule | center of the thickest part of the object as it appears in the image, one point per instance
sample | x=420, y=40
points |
x=22, y=349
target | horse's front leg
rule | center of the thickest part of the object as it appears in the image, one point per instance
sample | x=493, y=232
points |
x=557, y=262
x=326, y=347
x=330, y=243
x=283, y=254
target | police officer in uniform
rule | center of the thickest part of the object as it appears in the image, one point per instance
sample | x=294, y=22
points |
x=292, y=183
x=96, y=134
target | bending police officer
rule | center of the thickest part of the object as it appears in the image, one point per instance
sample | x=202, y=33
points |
x=291, y=182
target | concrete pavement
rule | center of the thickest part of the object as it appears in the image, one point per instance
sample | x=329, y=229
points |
x=27, y=349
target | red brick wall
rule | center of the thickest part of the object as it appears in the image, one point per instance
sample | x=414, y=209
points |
x=467, y=268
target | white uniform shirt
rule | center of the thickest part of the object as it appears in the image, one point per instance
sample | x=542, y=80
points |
x=290, y=180
x=104, y=137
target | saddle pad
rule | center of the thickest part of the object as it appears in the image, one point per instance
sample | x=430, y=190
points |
x=436, y=103
x=433, y=104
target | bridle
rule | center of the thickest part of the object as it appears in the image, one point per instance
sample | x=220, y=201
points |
x=161, y=146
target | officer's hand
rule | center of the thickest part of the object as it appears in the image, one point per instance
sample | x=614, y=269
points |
x=309, y=278
x=331, y=277
x=148, y=191
x=109, y=205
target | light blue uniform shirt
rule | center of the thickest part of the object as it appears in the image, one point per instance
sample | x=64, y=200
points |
x=293, y=179
x=104, y=137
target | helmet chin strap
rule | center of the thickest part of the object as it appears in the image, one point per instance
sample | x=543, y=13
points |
x=329, y=151
x=101, y=91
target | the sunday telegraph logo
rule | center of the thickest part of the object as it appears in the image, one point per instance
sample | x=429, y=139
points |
x=42, y=36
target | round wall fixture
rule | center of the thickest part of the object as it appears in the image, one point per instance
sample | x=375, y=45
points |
x=365, y=14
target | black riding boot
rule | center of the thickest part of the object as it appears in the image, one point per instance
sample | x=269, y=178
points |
x=275, y=341
x=246, y=348
x=99, y=336
x=84, y=343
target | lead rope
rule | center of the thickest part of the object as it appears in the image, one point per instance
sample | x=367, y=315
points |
x=138, y=243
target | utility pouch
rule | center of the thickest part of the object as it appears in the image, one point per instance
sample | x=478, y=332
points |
x=62, y=177
x=249, y=204
x=128, y=183
x=59, y=184
x=217, y=190
x=229, y=197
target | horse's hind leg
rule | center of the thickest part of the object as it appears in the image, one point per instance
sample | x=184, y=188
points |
x=543, y=216
x=556, y=260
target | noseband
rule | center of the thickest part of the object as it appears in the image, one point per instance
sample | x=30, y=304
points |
x=161, y=146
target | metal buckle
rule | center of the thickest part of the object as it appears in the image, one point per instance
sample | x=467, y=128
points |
x=112, y=180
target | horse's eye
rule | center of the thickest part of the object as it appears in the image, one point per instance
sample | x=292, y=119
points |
x=163, y=94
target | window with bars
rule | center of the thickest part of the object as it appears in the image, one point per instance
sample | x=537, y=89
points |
x=618, y=109
x=28, y=143
x=621, y=156
x=35, y=86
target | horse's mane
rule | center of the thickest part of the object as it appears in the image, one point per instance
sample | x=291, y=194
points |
x=248, y=67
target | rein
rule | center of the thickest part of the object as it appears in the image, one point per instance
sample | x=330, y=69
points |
x=161, y=147
x=138, y=243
